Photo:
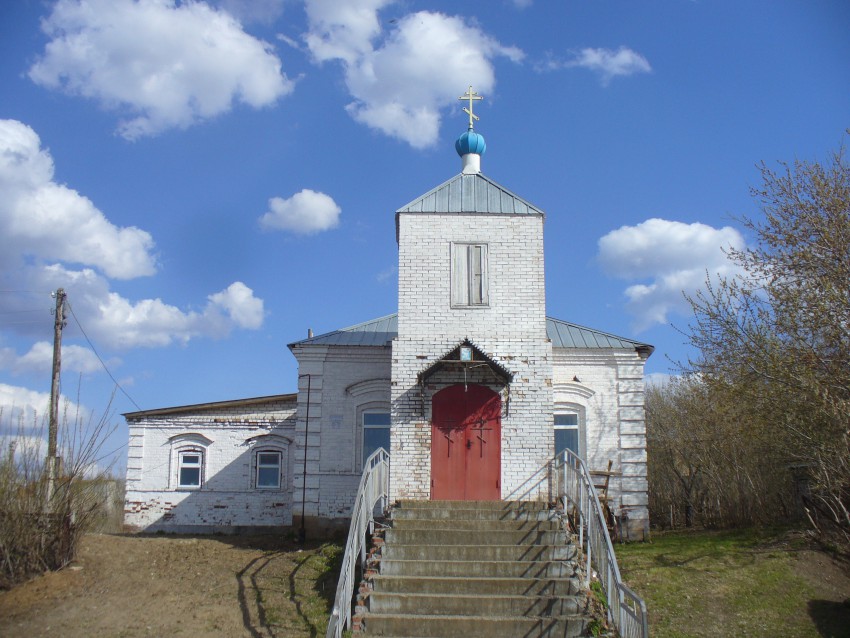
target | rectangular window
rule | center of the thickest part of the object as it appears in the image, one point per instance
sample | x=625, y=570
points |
x=268, y=470
x=376, y=432
x=566, y=433
x=189, y=469
x=469, y=275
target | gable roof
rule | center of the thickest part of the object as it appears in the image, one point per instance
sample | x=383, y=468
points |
x=473, y=193
x=213, y=406
x=381, y=332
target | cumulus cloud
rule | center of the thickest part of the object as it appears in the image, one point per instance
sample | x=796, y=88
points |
x=673, y=256
x=159, y=63
x=39, y=359
x=240, y=304
x=25, y=411
x=46, y=220
x=122, y=324
x=401, y=83
x=53, y=237
x=605, y=62
x=305, y=213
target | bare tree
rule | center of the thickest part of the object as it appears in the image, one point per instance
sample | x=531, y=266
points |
x=779, y=331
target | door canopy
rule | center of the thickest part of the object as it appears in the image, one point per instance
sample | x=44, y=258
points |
x=464, y=356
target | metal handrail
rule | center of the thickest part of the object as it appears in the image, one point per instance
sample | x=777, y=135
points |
x=626, y=610
x=373, y=490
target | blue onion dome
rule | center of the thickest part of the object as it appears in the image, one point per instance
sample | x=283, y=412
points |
x=470, y=142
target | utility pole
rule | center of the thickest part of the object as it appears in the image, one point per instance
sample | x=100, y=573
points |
x=52, y=462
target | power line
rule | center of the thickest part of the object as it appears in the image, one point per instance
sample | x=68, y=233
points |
x=93, y=349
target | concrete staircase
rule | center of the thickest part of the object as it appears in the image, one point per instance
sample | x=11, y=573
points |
x=470, y=569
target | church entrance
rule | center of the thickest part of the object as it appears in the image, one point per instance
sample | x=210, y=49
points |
x=466, y=444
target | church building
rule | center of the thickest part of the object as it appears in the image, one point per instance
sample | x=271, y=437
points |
x=470, y=386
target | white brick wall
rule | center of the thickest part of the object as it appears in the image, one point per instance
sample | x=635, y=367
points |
x=343, y=381
x=229, y=436
x=511, y=330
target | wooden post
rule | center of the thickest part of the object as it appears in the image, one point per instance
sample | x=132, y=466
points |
x=52, y=461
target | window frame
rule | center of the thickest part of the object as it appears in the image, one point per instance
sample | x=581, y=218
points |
x=578, y=426
x=258, y=465
x=363, y=427
x=200, y=466
x=469, y=275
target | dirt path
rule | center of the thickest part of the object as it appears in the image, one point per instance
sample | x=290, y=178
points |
x=131, y=586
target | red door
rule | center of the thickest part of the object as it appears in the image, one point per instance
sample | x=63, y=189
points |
x=466, y=440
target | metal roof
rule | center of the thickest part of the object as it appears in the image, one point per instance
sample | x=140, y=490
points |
x=570, y=335
x=213, y=406
x=377, y=332
x=381, y=331
x=473, y=193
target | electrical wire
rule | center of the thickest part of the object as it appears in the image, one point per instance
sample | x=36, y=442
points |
x=93, y=349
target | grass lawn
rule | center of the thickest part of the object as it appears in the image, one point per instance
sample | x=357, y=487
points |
x=738, y=583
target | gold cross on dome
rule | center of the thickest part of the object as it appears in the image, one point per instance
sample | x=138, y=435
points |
x=471, y=96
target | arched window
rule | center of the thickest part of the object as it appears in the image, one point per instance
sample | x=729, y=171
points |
x=569, y=428
x=269, y=461
x=376, y=431
x=190, y=468
x=269, y=470
x=188, y=460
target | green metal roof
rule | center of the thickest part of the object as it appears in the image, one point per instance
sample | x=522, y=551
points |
x=473, y=193
x=381, y=332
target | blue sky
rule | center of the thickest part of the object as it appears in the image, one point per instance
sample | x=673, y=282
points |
x=208, y=180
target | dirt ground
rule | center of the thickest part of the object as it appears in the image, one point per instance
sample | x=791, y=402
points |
x=134, y=585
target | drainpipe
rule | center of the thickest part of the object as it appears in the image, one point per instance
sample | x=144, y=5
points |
x=302, y=532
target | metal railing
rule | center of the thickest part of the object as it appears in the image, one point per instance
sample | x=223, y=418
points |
x=373, y=491
x=575, y=491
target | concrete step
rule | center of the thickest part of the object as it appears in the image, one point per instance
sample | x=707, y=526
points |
x=491, y=605
x=478, y=585
x=476, y=524
x=479, y=569
x=405, y=536
x=479, y=505
x=472, y=626
x=473, y=514
x=472, y=553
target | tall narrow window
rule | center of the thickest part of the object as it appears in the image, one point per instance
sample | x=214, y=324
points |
x=268, y=470
x=376, y=432
x=469, y=275
x=189, y=468
x=566, y=433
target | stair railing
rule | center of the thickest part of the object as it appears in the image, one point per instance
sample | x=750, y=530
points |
x=577, y=495
x=372, y=492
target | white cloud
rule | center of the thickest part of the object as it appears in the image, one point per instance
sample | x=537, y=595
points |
x=674, y=256
x=45, y=226
x=606, y=62
x=46, y=220
x=160, y=63
x=22, y=408
x=400, y=85
x=305, y=213
x=120, y=323
x=39, y=359
x=239, y=302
